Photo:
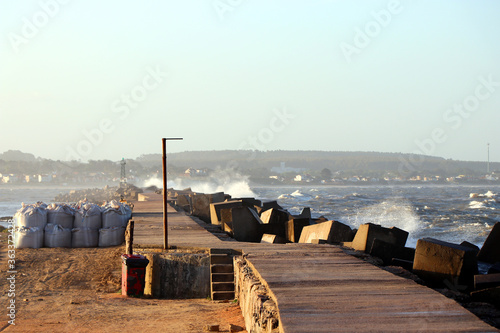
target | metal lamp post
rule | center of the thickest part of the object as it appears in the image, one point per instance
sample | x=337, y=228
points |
x=165, y=194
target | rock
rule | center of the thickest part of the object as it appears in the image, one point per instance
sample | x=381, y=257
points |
x=445, y=264
x=366, y=233
x=212, y=328
x=333, y=232
x=490, y=252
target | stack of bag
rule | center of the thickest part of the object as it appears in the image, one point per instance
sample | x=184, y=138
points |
x=82, y=225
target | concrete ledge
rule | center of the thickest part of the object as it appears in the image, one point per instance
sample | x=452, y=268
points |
x=259, y=310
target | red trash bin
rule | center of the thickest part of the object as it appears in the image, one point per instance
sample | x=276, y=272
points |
x=133, y=274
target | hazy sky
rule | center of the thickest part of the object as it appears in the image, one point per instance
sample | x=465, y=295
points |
x=108, y=79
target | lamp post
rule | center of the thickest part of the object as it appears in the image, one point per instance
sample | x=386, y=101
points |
x=165, y=194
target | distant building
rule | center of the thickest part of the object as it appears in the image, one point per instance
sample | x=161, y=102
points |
x=282, y=169
x=44, y=178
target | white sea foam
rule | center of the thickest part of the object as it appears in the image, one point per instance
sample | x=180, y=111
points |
x=390, y=213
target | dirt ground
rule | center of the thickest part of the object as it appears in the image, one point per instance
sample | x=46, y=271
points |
x=78, y=290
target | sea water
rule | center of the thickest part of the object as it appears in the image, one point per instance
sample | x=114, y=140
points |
x=12, y=197
x=452, y=213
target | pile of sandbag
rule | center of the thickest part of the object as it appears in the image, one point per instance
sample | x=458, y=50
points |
x=82, y=225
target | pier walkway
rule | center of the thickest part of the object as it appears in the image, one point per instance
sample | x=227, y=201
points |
x=319, y=288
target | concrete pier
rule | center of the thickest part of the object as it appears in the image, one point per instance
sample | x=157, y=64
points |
x=319, y=288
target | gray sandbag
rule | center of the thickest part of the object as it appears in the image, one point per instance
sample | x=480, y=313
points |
x=28, y=237
x=88, y=216
x=32, y=216
x=115, y=214
x=84, y=237
x=111, y=236
x=57, y=236
x=62, y=215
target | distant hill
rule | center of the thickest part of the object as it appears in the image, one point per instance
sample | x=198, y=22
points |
x=365, y=162
x=16, y=155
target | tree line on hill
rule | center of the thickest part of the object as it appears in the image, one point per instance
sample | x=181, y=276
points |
x=253, y=163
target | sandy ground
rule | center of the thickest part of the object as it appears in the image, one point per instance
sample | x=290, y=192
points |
x=78, y=290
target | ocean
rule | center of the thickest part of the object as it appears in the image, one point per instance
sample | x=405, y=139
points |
x=452, y=213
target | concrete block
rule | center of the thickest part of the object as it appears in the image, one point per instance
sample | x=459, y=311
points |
x=490, y=295
x=306, y=213
x=294, y=228
x=250, y=201
x=274, y=222
x=332, y=232
x=486, y=281
x=366, y=233
x=184, y=201
x=383, y=250
x=406, y=264
x=201, y=204
x=272, y=239
x=472, y=246
x=495, y=268
x=215, y=208
x=246, y=225
x=319, y=220
x=490, y=251
x=226, y=220
x=443, y=264
x=318, y=241
x=271, y=204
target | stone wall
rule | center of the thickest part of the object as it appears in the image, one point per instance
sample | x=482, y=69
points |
x=259, y=310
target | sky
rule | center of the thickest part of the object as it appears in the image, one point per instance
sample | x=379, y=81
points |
x=89, y=80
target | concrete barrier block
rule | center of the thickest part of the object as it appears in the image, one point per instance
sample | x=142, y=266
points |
x=366, y=233
x=246, y=224
x=271, y=204
x=272, y=239
x=201, y=204
x=226, y=220
x=485, y=281
x=294, y=228
x=383, y=250
x=274, y=221
x=490, y=251
x=332, y=232
x=490, y=295
x=445, y=264
x=215, y=210
x=406, y=264
x=184, y=200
